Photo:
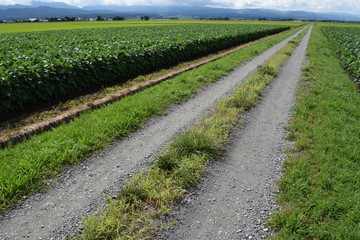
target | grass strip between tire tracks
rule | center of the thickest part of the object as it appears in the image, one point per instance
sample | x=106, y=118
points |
x=150, y=194
x=25, y=167
x=320, y=195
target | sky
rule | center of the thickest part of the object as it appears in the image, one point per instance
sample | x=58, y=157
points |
x=345, y=6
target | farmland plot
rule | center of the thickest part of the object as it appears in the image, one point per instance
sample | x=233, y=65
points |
x=153, y=97
x=346, y=41
x=42, y=66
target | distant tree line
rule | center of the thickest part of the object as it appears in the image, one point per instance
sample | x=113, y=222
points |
x=144, y=18
x=118, y=18
x=214, y=18
x=64, y=19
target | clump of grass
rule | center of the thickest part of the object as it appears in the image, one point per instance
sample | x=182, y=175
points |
x=133, y=194
x=268, y=70
x=196, y=142
x=167, y=162
x=320, y=195
x=150, y=194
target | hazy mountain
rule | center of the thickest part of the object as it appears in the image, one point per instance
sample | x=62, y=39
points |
x=44, y=12
x=3, y=7
x=39, y=9
x=194, y=11
x=35, y=4
x=52, y=4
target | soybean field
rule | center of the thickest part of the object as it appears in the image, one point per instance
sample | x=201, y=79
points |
x=42, y=66
x=269, y=113
x=346, y=42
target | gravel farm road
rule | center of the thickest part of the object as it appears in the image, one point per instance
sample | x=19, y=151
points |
x=235, y=198
x=235, y=193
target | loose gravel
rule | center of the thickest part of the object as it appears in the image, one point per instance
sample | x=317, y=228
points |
x=57, y=211
x=236, y=196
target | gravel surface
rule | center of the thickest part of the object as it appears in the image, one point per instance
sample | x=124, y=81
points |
x=234, y=199
x=56, y=212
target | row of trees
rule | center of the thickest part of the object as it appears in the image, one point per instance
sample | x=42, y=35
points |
x=70, y=19
x=116, y=18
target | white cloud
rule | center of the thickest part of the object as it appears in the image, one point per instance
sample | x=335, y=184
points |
x=350, y=6
x=12, y=2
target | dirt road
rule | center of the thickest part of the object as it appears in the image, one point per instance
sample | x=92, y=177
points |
x=236, y=196
x=54, y=213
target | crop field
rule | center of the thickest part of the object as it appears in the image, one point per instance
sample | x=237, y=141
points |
x=49, y=62
x=346, y=41
x=336, y=24
x=65, y=147
x=41, y=66
x=31, y=27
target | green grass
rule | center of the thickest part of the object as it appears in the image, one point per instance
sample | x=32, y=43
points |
x=150, y=194
x=31, y=27
x=25, y=167
x=320, y=190
x=333, y=24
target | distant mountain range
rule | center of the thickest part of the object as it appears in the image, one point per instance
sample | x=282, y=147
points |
x=38, y=9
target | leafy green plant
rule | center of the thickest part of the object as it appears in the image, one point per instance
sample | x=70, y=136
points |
x=42, y=66
x=346, y=43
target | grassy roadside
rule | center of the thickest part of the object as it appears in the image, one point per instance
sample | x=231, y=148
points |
x=26, y=166
x=150, y=194
x=320, y=194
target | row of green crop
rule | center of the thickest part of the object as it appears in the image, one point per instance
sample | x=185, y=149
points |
x=42, y=66
x=346, y=43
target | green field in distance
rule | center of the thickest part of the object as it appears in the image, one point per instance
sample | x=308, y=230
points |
x=333, y=24
x=46, y=26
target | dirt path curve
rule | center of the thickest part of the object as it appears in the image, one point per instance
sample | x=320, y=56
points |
x=235, y=198
x=52, y=214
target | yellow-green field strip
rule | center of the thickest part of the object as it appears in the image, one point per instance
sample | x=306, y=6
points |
x=31, y=27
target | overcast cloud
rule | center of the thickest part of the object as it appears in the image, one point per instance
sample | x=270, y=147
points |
x=348, y=6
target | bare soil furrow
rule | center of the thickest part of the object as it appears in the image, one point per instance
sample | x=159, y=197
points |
x=55, y=212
